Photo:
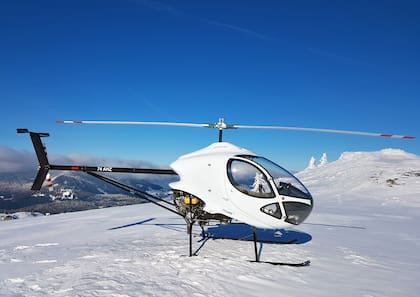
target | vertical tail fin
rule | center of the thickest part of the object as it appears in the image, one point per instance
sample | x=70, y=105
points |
x=44, y=165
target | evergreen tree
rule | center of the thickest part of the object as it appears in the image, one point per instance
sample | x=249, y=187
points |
x=312, y=164
x=324, y=160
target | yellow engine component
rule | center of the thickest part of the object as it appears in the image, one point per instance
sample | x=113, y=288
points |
x=191, y=200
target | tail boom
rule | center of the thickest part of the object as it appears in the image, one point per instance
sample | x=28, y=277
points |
x=45, y=166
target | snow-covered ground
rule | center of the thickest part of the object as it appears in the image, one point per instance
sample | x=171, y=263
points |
x=362, y=239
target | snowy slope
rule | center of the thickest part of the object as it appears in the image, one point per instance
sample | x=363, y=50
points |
x=389, y=176
x=362, y=239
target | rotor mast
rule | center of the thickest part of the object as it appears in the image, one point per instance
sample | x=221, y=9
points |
x=221, y=125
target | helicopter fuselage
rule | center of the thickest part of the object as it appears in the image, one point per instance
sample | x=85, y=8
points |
x=236, y=183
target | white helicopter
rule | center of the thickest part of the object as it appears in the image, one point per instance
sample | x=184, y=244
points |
x=221, y=182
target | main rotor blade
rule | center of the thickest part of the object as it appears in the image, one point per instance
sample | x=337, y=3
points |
x=325, y=131
x=136, y=123
x=221, y=125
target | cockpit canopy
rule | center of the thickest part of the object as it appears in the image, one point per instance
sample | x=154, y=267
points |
x=246, y=175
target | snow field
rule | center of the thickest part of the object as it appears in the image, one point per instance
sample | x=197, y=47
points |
x=363, y=241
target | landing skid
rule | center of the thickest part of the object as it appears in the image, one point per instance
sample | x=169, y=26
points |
x=299, y=264
x=257, y=255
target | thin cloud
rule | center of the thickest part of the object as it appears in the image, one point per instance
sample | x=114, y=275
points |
x=236, y=28
x=159, y=6
x=13, y=161
x=85, y=160
x=16, y=161
x=333, y=56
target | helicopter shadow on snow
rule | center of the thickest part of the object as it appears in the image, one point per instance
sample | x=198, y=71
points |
x=238, y=231
x=244, y=232
x=235, y=231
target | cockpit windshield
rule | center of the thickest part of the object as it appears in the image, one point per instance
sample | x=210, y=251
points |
x=248, y=179
x=285, y=182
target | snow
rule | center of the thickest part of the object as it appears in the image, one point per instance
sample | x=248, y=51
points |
x=362, y=239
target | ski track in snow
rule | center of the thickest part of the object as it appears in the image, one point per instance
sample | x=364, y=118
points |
x=363, y=241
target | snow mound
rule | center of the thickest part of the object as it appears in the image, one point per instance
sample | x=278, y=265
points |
x=386, y=175
x=25, y=214
x=19, y=215
x=388, y=154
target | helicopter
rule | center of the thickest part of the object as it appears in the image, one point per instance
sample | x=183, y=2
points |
x=221, y=182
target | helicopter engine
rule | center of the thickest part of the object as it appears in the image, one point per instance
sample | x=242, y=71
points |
x=192, y=208
x=186, y=203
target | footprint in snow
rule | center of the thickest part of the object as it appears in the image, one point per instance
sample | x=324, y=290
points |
x=122, y=260
x=90, y=257
x=46, y=244
x=25, y=247
x=22, y=247
x=13, y=260
x=45, y=261
x=17, y=280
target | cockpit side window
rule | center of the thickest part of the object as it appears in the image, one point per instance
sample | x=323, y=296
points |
x=249, y=179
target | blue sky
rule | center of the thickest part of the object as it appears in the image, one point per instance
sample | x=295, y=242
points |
x=328, y=64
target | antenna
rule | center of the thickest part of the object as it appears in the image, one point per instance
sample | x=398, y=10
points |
x=221, y=125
